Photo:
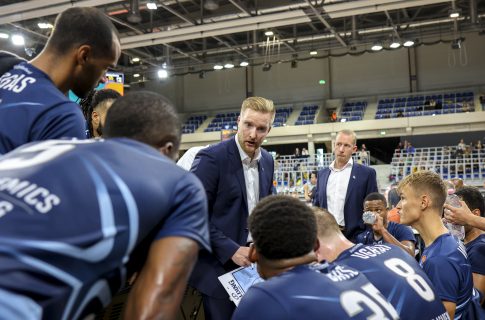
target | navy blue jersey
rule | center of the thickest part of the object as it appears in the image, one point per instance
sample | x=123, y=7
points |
x=446, y=264
x=398, y=231
x=74, y=212
x=305, y=293
x=476, y=254
x=398, y=276
x=33, y=109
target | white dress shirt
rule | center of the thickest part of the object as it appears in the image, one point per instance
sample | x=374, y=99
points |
x=251, y=177
x=189, y=156
x=337, y=184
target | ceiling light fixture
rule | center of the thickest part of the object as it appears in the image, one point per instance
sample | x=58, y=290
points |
x=313, y=52
x=408, y=43
x=18, y=40
x=162, y=74
x=269, y=33
x=376, y=46
x=244, y=64
x=218, y=67
x=152, y=6
x=229, y=65
x=4, y=35
x=136, y=75
x=211, y=5
x=135, y=59
x=455, y=13
x=395, y=44
x=45, y=25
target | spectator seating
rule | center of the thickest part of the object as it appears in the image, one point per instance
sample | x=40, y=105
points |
x=193, y=123
x=421, y=105
x=469, y=166
x=307, y=115
x=223, y=121
x=353, y=111
x=282, y=114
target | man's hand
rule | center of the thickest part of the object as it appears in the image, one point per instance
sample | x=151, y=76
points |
x=378, y=226
x=459, y=216
x=241, y=257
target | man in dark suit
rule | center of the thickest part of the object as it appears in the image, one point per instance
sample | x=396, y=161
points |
x=236, y=174
x=343, y=186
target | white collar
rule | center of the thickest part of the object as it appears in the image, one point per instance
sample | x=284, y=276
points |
x=348, y=164
x=244, y=155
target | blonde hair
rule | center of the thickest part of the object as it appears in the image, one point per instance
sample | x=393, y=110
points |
x=348, y=132
x=427, y=182
x=259, y=104
x=326, y=224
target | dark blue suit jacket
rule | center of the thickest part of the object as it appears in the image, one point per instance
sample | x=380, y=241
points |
x=362, y=182
x=219, y=167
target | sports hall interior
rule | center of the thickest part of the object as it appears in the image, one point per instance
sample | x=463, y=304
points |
x=392, y=71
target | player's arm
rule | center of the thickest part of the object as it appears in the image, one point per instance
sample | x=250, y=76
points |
x=159, y=288
x=479, y=283
x=379, y=228
x=445, y=278
x=464, y=216
x=450, y=308
x=406, y=245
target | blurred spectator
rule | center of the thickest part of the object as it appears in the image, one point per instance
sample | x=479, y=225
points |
x=393, y=199
x=297, y=153
x=363, y=155
x=333, y=116
x=310, y=186
x=460, y=148
x=410, y=149
x=478, y=145
x=482, y=102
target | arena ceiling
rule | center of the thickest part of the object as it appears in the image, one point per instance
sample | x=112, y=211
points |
x=189, y=36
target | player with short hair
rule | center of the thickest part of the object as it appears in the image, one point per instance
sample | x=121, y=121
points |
x=284, y=231
x=382, y=230
x=79, y=217
x=475, y=238
x=94, y=107
x=396, y=274
x=444, y=258
x=33, y=103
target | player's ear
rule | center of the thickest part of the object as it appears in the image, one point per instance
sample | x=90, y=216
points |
x=317, y=245
x=253, y=253
x=425, y=201
x=95, y=117
x=168, y=150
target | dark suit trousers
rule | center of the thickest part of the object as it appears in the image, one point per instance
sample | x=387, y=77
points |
x=217, y=309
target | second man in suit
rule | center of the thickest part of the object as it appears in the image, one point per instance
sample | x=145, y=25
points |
x=236, y=174
x=343, y=186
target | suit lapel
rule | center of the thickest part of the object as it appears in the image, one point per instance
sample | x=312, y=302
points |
x=325, y=176
x=353, y=177
x=237, y=168
x=263, y=186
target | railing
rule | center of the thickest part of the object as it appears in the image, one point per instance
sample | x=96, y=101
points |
x=448, y=161
x=292, y=173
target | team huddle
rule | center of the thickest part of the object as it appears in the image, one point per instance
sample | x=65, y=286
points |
x=80, y=217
